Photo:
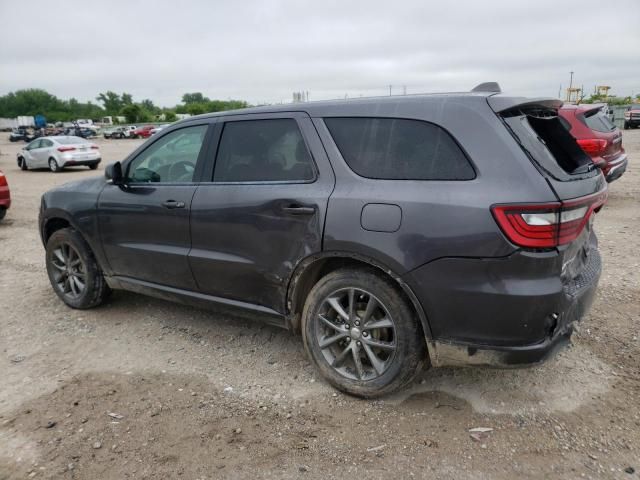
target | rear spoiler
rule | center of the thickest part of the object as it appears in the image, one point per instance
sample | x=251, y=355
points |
x=501, y=103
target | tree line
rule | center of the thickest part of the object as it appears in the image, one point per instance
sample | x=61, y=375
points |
x=35, y=101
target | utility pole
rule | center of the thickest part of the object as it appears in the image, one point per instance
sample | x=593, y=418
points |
x=390, y=89
x=571, y=80
x=404, y=89
x=560, y=91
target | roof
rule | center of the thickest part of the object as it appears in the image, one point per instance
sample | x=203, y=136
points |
x=320, y=108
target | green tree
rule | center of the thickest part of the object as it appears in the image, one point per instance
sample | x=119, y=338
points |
x=196, y=108
x=169, y=116
x=132, y=112
x=196, y=97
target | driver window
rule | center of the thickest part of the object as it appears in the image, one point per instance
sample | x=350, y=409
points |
x=171, y=159
x=35, y=144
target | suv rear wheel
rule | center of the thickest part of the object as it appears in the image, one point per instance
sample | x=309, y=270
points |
x=361, y=333
x=73, y=271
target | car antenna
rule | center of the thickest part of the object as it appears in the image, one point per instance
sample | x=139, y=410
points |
x=492, y=87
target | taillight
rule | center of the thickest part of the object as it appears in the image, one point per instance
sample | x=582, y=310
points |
x=592, y=146
x=94, y=147
x=547, y=225
x=66, y=149
x=3, y=180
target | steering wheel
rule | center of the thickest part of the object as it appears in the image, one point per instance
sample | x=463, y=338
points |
x=181, y=171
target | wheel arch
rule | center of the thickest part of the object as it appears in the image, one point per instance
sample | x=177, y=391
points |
x=312, y=268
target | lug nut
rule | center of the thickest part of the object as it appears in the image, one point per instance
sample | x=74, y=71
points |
x=357, y=323
x=365, y=334
x=346, y=325
x=359, y=344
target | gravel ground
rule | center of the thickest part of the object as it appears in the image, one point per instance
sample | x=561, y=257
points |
x=141, y=388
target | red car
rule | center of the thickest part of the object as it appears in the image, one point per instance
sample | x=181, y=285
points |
x=597, y=136
x=5, y=196
x=142, y=132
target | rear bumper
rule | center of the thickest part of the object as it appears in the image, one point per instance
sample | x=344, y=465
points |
x=616, y=168
x=77, y=163
x=502, y=312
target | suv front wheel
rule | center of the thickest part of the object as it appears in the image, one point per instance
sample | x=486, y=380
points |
x=361, y=334
x=73, y=271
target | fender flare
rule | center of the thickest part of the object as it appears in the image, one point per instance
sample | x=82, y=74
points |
x=293, y=320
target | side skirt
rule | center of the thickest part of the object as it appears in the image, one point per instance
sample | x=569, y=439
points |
x=200, y=300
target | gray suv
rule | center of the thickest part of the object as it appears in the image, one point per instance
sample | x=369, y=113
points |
x=392, y=233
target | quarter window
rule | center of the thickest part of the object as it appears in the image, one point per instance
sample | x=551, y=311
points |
x=263, y=151
x=170, y=159
x=399, y=149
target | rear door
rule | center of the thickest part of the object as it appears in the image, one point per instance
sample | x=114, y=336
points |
x=262, y=210
x=144, y=224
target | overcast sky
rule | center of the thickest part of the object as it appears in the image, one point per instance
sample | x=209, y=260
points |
x=262, y=51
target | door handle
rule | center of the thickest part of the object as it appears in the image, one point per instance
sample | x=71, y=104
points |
x=172, y=204
x=299, y=210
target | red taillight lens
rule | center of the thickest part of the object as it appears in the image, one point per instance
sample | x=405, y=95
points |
x=94, y=147
x=3, y=180
x=547, y=225
x=592, y=146
x=66, y=149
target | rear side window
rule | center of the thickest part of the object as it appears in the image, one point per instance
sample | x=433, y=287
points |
x=399, y=149
x=263, y=151
x=598, y=121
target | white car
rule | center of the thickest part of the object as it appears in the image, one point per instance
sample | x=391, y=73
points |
x=57, y=153
x=157, y=129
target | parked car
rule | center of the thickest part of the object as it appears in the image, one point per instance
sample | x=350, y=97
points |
x=157, y=129
x=115, y=132
x=142, y=132
x=124, y=131
x=57, y=153
x=597, y=136
x=393, y=233
x=5, y=195
x=18, y=135
x=81, y=132
x=632, y=116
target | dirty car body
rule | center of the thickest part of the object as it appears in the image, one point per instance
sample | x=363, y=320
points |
x=491, y=248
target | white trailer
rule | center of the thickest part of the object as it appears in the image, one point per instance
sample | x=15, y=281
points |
x=26, y=121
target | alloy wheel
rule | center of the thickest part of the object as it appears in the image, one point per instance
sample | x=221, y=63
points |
x=356, y=334
x=69, y=271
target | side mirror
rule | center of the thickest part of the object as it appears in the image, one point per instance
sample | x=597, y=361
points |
x=113, y=173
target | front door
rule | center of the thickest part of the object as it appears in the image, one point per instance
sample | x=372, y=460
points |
x=262, y=210
x=144, y=224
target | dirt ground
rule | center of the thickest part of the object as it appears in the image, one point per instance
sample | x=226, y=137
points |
x=142, y=388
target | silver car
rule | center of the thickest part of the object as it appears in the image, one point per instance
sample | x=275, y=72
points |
x=57, y=153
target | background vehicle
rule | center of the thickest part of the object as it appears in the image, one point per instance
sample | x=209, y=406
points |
x=124, y=131
x=157, y=129
x=18, y=135
x=391, y=232
x=142, y=132
x=57, y=153
x=114, y=132
x=5, y=195
x=81, y=132
x=632, y=117
x=597, y=136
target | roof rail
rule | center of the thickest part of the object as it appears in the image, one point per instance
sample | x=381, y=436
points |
x=492, y=87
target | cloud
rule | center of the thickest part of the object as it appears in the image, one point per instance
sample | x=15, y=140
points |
x=262, y=51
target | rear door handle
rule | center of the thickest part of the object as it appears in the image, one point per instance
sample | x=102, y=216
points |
x=172, y=204
x=299, y=210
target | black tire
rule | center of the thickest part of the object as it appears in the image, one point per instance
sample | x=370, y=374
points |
x=93, y=166
x=408, y=354
x=626, y=126
x=22, y=163
x=3, y=212
x=95, y=289
x=53, y=165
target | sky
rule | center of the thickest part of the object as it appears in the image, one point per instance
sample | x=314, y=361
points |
x=263, y=51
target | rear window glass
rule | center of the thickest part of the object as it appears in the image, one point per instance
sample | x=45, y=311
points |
x=598, y=121
x=399, y=149
x=548, y=143
x=70, y=140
